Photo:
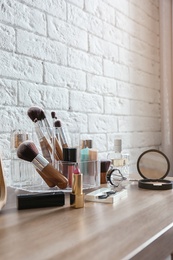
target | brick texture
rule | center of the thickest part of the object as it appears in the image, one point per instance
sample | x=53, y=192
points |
x=96, y=63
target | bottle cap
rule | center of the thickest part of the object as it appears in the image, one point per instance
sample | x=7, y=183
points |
x=86, y=143
x=18, y=137
x=70, y=154
x=118, y=145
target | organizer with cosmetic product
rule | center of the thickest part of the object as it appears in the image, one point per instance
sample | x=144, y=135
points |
x=45, y=159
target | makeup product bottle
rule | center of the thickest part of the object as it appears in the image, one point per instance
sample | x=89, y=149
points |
x=84, y=156
x=103, y=170
x=84, y=152
x=93, y=165
x=119, y=159
x=77, y=196
x=69, y=160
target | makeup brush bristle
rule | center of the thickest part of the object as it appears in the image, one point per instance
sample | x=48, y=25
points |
x=27, y=151
x=36, y=112
x=57, y=123
x=53, y=115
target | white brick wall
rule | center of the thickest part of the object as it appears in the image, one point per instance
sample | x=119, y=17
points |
x=95, y=63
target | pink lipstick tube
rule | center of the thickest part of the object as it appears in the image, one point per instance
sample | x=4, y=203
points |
x=77, y=195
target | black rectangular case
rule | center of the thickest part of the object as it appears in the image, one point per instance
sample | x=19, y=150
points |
x=40, y=200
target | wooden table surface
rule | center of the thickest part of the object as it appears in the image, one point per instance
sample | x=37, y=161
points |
x=137, y=226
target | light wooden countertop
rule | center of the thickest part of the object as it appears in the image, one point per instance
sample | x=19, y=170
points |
x=138, y=226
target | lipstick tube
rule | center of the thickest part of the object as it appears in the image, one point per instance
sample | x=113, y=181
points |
x=77, y=196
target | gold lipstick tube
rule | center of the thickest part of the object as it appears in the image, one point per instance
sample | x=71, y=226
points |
x=77, y=196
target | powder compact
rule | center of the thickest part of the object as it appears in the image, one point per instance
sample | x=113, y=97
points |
x=154, y=166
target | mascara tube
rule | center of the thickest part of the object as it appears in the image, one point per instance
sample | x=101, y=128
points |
x=77, y=196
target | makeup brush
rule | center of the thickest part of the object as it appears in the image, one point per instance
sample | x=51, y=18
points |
x=56, y=142
x=41, y=116
x=63, y=139
x=28, y=151
x=44, y=144
x=53, y=115
x=35, y=116
x=37, y=112
x=34, y=112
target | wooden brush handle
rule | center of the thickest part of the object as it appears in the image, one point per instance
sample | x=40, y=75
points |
x=44, y=177
x=46, y=149
x=58, y=149
x=65, y=145
x=55, y=176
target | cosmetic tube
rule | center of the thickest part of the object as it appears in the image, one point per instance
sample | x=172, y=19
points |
x=77, y=196
x=69, y=161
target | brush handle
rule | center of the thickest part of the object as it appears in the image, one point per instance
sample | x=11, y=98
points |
x=46, y=149
x=62, y=137
x=65, y=145
x=46, y=179
x=58, y=149
x=55, y=176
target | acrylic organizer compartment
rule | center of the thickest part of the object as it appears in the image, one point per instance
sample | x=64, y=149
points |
x=39, y=162
x=89, y=169
x=25, y=176
x=22, y=173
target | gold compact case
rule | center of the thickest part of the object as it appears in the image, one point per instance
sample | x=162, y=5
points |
x=154, y=166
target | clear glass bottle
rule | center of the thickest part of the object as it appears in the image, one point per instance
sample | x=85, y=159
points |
x=119, y=159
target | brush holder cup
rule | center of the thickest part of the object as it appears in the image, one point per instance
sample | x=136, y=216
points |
x=23, y=174
x=89, y=169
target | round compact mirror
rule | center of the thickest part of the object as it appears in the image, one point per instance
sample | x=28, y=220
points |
x=153, y=166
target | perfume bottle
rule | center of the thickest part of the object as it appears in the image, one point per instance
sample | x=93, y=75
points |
x=119, y=159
